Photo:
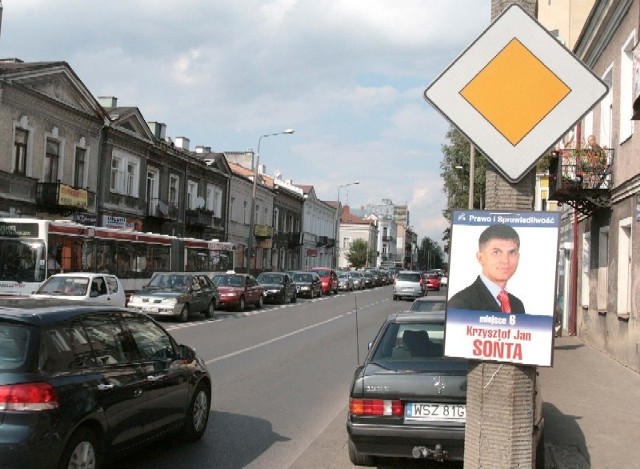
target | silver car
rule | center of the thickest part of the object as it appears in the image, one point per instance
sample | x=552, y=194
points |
x=408, y=284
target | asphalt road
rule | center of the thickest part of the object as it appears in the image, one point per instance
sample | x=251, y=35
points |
x=281, y=379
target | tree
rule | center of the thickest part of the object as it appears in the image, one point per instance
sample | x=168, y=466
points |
x=430, y=255
x=455, y=173
x=357, y=255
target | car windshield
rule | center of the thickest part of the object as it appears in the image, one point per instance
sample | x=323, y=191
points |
x=229, y=280
x=170, y=281
x=70, y=286
x=422, y=305
x=302, y=278
x=323, y=272
x=270, y=278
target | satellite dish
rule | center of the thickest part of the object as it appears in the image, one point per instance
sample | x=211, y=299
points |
x=199, y=202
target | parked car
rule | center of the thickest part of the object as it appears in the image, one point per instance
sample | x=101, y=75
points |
x=329, y=279
x=81, y=384
x=278, y=287
x=408, y=284
x=369, y=279
x=432, y=281
x=176, y=295
x=307, y=284
x=429, y=303
x=358, y=279
x=239, y=290
x=406, y=396
x=444, y=280
x=345, y=282
x=84, y=286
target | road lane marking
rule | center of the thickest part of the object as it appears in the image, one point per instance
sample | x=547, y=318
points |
x=275, y=339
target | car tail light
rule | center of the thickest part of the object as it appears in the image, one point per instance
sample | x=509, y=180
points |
x=28, y=397
x=376, y=407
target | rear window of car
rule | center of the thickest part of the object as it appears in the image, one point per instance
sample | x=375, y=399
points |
x=14, y=346
x=412, y=341
x=408, y=277
x=427, y=306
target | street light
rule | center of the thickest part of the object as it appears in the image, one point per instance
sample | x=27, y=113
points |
x=337, y=222
x=252, y=215
x=472, y=157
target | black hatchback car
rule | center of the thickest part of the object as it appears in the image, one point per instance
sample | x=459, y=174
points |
x=406, y=399
x=81, y=384
x=279, y=287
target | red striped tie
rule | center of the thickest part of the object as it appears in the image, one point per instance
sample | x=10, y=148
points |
x=503, y=298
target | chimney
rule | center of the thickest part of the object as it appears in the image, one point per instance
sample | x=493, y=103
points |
x=262, y=169
x=108, y=102
x=201, y=149
x=159, y=130
x=182, y=142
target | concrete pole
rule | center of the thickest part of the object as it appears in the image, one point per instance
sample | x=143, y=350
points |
x=500, y=396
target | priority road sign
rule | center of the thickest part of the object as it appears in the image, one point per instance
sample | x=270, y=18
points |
x=515, y=91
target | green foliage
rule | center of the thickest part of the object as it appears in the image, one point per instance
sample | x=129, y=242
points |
x=357, y=255
x=456, y=180
x=430, y=255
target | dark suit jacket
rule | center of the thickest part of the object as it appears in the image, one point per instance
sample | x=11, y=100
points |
x=477, y=297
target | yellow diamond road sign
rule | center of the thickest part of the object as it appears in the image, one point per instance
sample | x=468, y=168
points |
x=515, y=91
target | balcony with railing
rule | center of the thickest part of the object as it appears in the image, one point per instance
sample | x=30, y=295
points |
x=294, y=239
x=56, y=196
x=387, y=238
x=322, y=241
x=199, y=217
x=160, y=209
x=582, y=178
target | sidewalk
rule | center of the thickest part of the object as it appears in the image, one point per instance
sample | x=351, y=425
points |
x=591, y=409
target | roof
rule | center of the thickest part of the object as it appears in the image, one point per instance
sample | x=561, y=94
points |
x=38, y=311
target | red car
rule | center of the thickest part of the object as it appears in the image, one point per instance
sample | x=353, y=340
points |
x=239, y=290
x=328, y=278
x=432, y=280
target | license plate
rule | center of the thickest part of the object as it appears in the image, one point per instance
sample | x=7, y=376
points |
x=149, y=309
x=424, y=412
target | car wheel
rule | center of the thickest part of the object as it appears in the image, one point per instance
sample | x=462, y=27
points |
x=241, y=304
x=81, y=451
x=184, y=313
x=395, y=297
x=211, y=309
x=260, y=302
x=198, y=414
x=359, y=459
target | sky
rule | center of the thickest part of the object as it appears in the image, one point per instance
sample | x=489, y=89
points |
x=347, y=75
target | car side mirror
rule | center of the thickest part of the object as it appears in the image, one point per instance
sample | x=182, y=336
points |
x=186, y=352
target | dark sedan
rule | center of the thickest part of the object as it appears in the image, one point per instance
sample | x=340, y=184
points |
x=307, y=284
x=407, y=400
x=278, y=287
x=81, y=385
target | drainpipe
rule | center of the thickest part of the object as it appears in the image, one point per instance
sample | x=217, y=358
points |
x=574, y=277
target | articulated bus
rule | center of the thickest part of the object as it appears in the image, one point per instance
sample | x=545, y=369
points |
x=31, y=250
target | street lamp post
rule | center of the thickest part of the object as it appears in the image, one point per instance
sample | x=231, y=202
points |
x=252, y=215
x=472, y=157
x=337, y=223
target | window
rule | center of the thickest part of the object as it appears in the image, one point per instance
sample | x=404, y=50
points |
x=151, y=341
x=108, y=340
x=192, y=194
x=152, y=189
x=217, y=201
x=626, y=88
x=244, y=212
x=124, y=174
x=276, y=220
x=586, y=260
x=606, y=111
x=20, y=152
x=231, y=209
x=52, y=160
x=210, y=198
x=174, y=189
x=78, y=167
x=66, y=348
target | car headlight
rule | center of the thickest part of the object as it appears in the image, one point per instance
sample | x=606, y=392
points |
x=134, y=299
x=169, y=301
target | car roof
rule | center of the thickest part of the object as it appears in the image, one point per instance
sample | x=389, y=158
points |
x=432, y=298
x=82, y=274
x=38, y=311
x=417, y=317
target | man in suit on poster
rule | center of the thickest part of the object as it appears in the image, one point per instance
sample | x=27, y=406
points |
x=498, y=254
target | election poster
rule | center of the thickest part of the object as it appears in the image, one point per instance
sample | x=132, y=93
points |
x=502, y=276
